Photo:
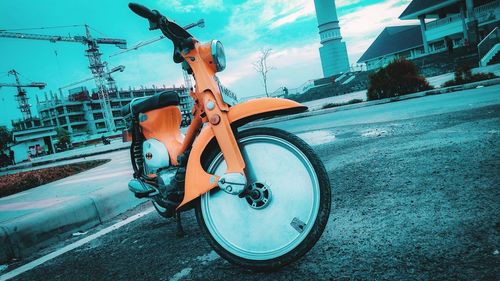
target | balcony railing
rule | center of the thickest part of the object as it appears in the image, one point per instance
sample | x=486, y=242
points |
x=488, y=42
x=444, y=21
x=487, y=12
x=483, y=13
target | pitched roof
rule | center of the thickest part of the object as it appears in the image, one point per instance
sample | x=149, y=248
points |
x=393, y=39
x=419, y=7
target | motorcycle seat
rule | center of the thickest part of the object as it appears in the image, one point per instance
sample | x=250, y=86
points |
x=156, y=101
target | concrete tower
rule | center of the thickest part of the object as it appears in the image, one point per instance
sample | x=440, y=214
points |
x=333, y=53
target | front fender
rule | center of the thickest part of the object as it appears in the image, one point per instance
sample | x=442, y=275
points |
x=198, y=181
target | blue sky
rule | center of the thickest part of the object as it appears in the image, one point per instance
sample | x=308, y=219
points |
x=289, y=27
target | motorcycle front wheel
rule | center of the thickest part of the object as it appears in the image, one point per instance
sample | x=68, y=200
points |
x=285, y=211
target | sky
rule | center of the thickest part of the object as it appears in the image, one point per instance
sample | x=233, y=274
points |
x=245, y=27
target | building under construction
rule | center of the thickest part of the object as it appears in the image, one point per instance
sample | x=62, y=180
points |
x=80, y=113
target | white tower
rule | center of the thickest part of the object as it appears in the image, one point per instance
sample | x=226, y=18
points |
x=333, y=53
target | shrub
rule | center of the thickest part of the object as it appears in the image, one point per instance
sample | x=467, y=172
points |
x=14, y=183
x=400, y=77
x=330, y=105
x=63, y=137
x=463, y=75
x=4, y=137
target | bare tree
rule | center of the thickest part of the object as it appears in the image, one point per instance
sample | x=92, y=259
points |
x=262, y=67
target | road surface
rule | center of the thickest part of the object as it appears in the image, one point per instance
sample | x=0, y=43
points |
x=415, y=197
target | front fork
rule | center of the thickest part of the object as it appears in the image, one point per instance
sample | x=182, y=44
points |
x=234, y=180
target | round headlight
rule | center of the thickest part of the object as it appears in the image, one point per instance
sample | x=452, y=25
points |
x=218, y=55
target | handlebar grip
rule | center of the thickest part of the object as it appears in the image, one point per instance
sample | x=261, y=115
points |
x=144, y=12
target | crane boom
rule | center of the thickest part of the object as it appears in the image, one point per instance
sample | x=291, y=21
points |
x=200, y=23
x=120, y=68
x=120, y=43
x=38, y=85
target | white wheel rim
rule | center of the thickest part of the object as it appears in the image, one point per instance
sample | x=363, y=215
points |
x=277, y=229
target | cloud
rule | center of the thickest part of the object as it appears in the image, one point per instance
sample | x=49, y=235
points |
x=149, y=68
x=254, y=17
x=292, y=67
x=295, y=62
x=184, y=6
x=346, y=3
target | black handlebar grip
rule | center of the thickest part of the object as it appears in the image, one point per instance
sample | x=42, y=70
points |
x=144, y=12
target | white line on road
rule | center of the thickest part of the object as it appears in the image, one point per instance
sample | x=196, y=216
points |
x=65, y=249
x=183, y=273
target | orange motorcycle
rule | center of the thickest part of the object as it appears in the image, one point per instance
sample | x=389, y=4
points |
x=262, y=196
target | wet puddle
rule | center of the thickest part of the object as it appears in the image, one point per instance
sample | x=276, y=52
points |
x=317, y=137
x=372, y=133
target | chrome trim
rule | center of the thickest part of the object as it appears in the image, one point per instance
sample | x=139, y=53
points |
x=215, y=57
x=132, y=102
x=233, y=183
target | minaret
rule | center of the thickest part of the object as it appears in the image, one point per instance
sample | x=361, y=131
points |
x=333, y=53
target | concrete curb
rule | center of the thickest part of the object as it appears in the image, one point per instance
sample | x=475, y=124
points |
x=40, y=163
x=438, y=91
x=22, y=236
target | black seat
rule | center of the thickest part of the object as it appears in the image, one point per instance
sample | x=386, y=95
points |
x=155, y=101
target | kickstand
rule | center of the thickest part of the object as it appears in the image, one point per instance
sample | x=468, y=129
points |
x=180, y=231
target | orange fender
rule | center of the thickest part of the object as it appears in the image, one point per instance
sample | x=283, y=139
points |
x=198, y=181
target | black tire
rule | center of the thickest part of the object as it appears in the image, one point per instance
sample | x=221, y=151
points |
x=315, y=231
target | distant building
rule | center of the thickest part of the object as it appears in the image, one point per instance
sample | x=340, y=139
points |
x=80, y=114
x=31, y=138
x=333, y=53
x=462, y=22
x=394, y=42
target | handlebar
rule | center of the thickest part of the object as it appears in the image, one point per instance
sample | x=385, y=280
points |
x=144, y=12
x=178, y=35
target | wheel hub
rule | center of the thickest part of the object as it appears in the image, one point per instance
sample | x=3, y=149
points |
x=258, y=196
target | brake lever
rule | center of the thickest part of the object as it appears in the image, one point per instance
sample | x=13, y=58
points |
x=153, y=25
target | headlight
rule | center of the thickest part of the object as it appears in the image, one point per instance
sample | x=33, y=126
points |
x=218, y=55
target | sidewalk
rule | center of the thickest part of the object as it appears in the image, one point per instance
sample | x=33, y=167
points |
x=39, y=216
x=67, y=155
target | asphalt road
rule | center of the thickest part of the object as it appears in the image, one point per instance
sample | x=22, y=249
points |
x=415, y=197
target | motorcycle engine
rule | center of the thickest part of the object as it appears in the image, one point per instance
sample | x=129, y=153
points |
x=155, y=156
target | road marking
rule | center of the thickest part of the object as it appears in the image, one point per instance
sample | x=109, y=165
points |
x=183, y=273
x=65, y=249
x=208, y=257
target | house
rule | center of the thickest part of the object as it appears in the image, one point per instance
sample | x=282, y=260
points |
x=460, y=22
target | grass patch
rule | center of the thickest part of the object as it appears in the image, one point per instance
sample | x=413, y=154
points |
x=14, y=183
x=330, y=105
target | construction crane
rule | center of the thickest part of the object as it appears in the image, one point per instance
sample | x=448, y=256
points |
x=200, y=23
x=187, y=79
x=96, y=65
x=110, y=80
x=22, y=97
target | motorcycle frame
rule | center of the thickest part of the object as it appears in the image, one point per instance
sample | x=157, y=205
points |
x=220, y=119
